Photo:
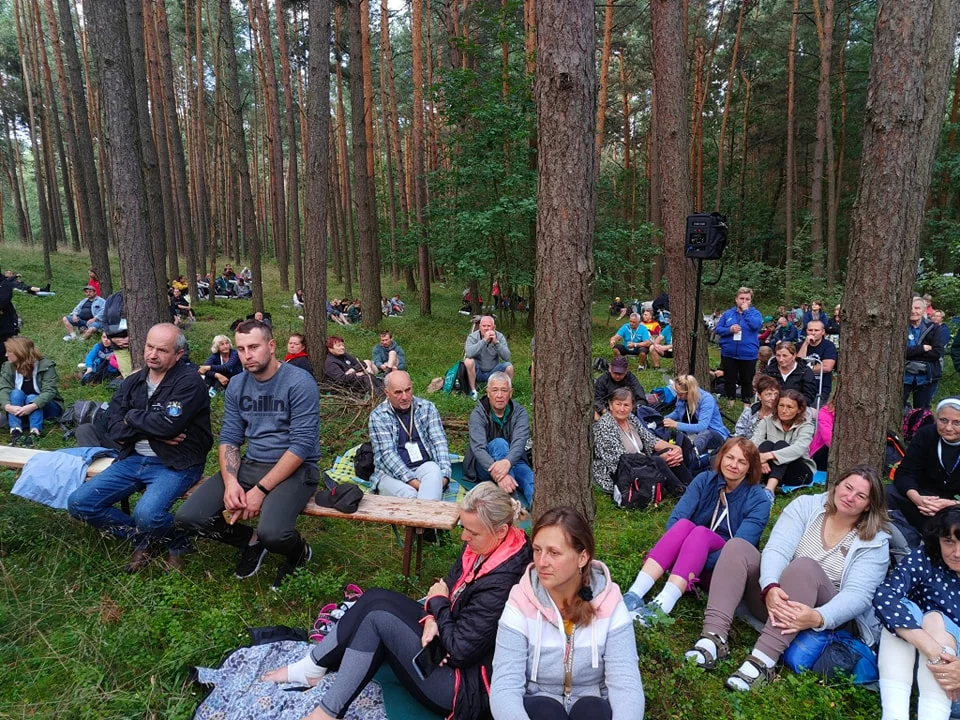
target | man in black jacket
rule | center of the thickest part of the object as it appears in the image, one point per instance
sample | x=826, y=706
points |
x=160, y=417
x=617, y=376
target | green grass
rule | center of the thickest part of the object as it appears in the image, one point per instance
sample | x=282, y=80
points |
x=80, y=639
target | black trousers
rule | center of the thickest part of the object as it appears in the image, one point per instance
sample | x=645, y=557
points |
x=738, y=372
x=539, y=707
x=792, y=473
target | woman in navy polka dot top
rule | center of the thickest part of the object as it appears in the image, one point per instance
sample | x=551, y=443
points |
x=919, y=606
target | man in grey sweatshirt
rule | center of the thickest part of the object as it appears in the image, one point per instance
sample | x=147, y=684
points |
x=485, y=352
x=275, y=408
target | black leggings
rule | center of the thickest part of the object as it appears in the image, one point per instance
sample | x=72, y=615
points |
x=382, y=626
x=540, y=707
x=791, y=474
x=738, y=372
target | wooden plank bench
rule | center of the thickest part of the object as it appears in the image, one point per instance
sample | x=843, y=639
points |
x=414, y=515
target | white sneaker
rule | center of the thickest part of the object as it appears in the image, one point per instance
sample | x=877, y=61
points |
x=68, y=338
x=473, y=395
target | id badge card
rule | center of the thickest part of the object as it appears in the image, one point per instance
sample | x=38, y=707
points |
x=413, y=452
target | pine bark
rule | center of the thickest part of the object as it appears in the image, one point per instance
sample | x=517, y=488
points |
x=728, y=94
x=293, y=178
x=88, y=187
x=566, y=91
x=824, y=22
x=419, y=169
x=317, y=176
x=905, y=109
x=790, y=172
x=604, y=75
x=110, y=42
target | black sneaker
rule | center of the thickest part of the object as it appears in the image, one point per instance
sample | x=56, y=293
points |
x=251, y=557
x=288, y=567
x=15, y=435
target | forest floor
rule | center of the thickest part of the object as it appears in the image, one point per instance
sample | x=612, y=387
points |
x=82, y=639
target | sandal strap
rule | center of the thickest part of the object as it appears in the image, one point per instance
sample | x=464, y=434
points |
x=723, y=650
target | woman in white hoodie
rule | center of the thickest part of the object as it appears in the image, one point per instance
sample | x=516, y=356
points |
x=566, y=622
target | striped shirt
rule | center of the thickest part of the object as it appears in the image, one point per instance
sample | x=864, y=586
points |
x=832, y=559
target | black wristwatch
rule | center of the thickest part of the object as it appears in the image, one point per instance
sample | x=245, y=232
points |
x=262, y=489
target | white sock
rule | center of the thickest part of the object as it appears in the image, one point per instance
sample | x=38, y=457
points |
x=641, y=586
x=668, y=597
x=750, y=670
x=305, y=669
x=895, y=659
x=705, y=644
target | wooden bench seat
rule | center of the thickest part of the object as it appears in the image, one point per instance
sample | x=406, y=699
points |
x=414, y=515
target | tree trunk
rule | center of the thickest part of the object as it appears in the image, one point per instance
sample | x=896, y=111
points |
x=790, y=171
x=88, y=188
x=293, y=181
x=671, y=136
x=904, y=113
x=395, y=137
x=206, y=234
x=566, y=89
x=727, y=95
x=363, y=183
x=387, y=144
x=317, y=172
x=824, y=24
x=239, y=143
x=367, y=68
x=419, y=170
x=344, y=165
x=156, y=239
x=110, y=42
x=604, y=76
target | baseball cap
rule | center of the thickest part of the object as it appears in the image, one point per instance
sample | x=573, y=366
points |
x=618, y=365
x=89, y=287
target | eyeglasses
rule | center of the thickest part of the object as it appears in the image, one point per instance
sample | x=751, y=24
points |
x=948, y=423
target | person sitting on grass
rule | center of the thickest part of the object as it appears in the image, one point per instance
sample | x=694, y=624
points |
x=99, y=363
x=297, y=353
x=824, y=559
x=565, y=644
x=632, y=338
x=662, y=346
x=793, y=374
x=617, y=375
x=697, y=415
x=180, y=311
x=784, y=443
x=618, y=431
x=485, y=352
x=919, y=607
x=769, y=391
x=28, y=390
x=223, y=364
x=388, y=355
x=498, y=432
x=723, y=503
x=459, y=619
x=87, y=316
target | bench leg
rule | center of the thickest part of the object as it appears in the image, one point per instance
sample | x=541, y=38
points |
x=407, y=549
x=419, y=550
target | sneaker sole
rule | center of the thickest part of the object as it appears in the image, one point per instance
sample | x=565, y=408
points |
x=256, y=569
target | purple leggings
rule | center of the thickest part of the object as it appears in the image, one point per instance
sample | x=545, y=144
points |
x=684, y=548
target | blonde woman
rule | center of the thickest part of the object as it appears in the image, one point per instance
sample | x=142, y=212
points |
x=28, y=389
x=697, y=415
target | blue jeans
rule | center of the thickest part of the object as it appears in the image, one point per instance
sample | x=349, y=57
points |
x=484, y=375
x=521, y=472
x=50, y=411
x=93, y=502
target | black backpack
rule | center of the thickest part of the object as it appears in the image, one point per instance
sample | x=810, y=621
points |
x=113, y=314
x=600, y=365
x=640, y=480
x=363, y=461
x=461, y=381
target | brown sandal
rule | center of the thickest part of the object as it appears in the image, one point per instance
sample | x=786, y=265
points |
x=710, y=662
x=765, y=675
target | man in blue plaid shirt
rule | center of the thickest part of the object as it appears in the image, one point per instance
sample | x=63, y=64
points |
x=410, y=454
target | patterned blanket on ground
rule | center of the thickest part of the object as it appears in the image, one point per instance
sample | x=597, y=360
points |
x=238, y=693
x=342, y=471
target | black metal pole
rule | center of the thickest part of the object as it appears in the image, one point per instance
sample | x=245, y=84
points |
x=697, y=320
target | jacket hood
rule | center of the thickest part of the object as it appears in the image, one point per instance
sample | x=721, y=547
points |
x=606, y=594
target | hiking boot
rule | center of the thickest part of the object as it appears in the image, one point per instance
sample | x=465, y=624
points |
x=138, y=561
x=173, y=563
x=15, y=435
x=288, y=567
x=251, y=557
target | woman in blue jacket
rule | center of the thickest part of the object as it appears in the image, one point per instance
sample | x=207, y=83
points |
x=697, y=415
x=720, y=504
x=739, y=333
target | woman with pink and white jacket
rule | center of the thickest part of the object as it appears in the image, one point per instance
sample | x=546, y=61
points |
x=565, y=646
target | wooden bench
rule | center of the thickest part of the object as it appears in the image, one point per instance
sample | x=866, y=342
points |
x=414, y=515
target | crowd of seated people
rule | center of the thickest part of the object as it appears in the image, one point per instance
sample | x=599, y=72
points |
x=498, y=617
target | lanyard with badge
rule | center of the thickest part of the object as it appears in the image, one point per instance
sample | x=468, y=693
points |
x=411, y=446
